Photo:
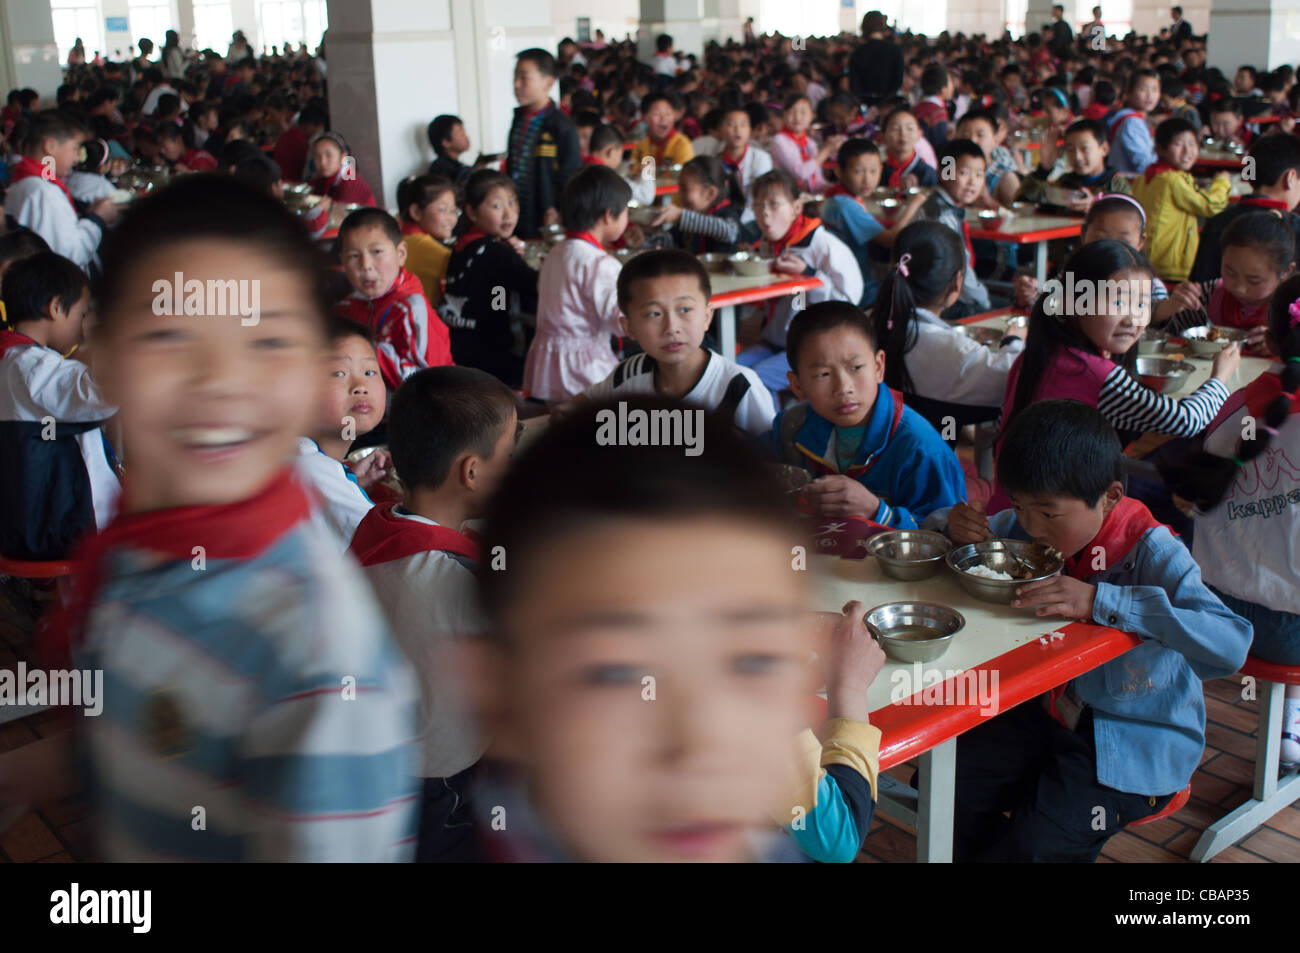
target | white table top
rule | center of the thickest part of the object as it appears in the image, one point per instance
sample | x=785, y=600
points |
x=991, y=629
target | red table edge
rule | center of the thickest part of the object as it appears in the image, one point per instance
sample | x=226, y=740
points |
x=665, y=190
x=910, y=728
x=726, y=299
x=1029, y=238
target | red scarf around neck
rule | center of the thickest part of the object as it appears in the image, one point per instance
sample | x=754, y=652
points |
x=1120, y=531
x=896, y=173
x=733, y=165
x=382, y=536
x=799, y=230
x=239, y=530
x=585, y=237
x=471, y=236
x=28, y=168
x=1155, y=168
x=801, y=140
x=1263, y=201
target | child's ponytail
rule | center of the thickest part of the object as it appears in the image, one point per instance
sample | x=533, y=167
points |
x=1204, y=478
x=928, y=257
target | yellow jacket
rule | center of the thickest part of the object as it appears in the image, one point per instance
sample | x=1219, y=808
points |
x=1173, y=203
x=427, y=258
x=676, y=151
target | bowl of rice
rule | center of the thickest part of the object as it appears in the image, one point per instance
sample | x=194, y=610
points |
x=994, y=569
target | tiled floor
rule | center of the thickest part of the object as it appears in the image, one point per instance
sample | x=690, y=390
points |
x=58, y=834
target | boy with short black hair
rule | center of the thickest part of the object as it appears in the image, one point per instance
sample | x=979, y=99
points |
x=874, y=457
x=932, y=111
x=663, y=142
x=1086, y=150
x=961, y=183
x=605, y=147
x=387, y=299
x=1173, y=201
x=664, y=299
x=1226, y=122
x=449, y=140
x=451, y=434
x=1127, y=736
x=1277, y=188
x=353, y=404
x=56, y=477
x=544, y=150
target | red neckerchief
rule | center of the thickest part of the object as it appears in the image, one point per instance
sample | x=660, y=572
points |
x=896, y=173
x=585, y=237
x=1155, y=168
x=799, y=230
x=28, y=168
x=382, y=537
x=591, y=160
x=239, y=530
x=1224, y=309
x=10, y=339
x=838, y=189
x=733, y=165
x=1263, y=201
x=1262, y=391
x=801, y=141
x=471, y=236
x=410, y=228
x=1120, y=531
x=660, y=144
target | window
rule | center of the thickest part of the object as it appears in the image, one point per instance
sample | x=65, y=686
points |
x=213, y=25
x=798, y=18
x=291, y=21
x=77, y=18
x=152, y=19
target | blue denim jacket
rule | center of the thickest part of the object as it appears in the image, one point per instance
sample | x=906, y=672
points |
x=1148, y=704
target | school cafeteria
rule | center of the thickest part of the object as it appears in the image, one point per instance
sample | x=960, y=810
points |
x=835, y=432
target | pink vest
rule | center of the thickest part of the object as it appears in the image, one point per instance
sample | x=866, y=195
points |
x=1071, y=374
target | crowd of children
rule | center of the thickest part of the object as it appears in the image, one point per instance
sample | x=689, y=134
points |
x=324, y=455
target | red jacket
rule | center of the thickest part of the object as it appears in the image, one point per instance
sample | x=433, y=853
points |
x=408, y=333
x=349, y=191
x=196, y=160
x=291, y=153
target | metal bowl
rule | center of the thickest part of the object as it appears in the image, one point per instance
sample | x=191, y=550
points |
x=555, y=231
x=990, y=219
x=623, y=254
x=909, y=554
x=640, y=214
x=791, y=478
x=1152, y=342
x=716, y=262
x=295, y=188
x=989, y=337
x=1162, y=374
x=996, y=555
x=914, y=631
x=1207, y=340
x=751, y=265
x=889, y=205
x=1017, y=321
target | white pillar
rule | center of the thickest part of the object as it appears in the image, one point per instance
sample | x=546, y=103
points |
x=243, y=16
x=29, y=57
x=1263, y=35
x=396, y=64
x=1039, y=12
x=731, y=24
x=185, y=23
x=683, y=20
x=123, y=40
x=975, y=16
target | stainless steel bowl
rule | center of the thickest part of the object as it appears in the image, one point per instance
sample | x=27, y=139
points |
x=889, y=205
x=716, y=262
x=1207, y=341
x=914, y=631
x=792, y=479
x=909, y=554
x=996, y=554
x=1162, y=374
x=990, y=219
x=989, y=337
x=555, y=231
x=1152, y=342
x=751, y=264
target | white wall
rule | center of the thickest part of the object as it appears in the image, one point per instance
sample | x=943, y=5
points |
x=618, y=18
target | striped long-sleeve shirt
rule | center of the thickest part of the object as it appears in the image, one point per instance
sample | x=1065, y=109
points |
x=253, y=710
x=1130, y=405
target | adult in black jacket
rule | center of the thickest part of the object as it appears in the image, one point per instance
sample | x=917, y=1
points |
x=876, y=67
x=1062, y=35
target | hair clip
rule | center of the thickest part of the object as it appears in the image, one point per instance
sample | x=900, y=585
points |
x=906, y=257
x=1294, y=310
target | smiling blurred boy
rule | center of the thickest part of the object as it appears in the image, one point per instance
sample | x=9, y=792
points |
x=874, y=457
x=1126, y=736
x=387, y=299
